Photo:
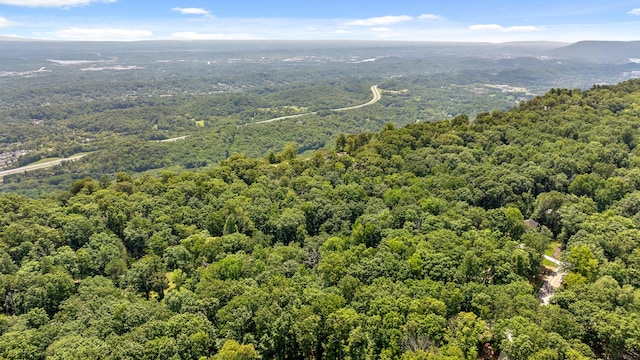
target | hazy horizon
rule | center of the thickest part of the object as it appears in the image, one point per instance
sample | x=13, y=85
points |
x=358, y=20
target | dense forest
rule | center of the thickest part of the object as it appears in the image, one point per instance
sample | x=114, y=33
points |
x=409, y=243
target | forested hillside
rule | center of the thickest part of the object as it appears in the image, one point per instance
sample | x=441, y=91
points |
x=408, y=243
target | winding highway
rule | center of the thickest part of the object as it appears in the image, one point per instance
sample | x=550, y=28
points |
x=172, y=139
x=374, y=89
x=376, y=97
x=42, y=165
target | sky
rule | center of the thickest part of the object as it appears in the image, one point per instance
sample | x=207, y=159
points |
x=402, y=20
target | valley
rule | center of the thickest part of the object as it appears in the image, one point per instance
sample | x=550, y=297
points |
x=209, y=90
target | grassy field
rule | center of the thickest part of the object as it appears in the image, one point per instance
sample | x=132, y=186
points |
x=551, y=251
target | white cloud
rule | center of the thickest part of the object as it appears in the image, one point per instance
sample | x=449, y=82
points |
x=380, y=21
x=197, y=28
x=88, y=34
x=525, y=28
x=634, y=11
x=496, y=27
x=192, y=35
x=380, y=29
x=4, y=22
x=486, y=27
x=191, y=11
x=431, y=17
x=52, y=3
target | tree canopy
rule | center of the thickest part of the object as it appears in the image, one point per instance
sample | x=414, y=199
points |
x=408, y=243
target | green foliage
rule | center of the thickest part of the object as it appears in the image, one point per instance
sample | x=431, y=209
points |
x=231, y=350
x=583, y=262
x=410, y=243
x=147, y=275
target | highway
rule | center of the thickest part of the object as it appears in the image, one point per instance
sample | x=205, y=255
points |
x=376, y=97
x=38, y=166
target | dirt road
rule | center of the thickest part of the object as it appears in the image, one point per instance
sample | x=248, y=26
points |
x=552, y=281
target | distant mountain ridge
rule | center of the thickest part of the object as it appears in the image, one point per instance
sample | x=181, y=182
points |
x=16, y=38
x=601, y=51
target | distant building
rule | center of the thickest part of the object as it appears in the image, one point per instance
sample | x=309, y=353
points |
x=531, y=225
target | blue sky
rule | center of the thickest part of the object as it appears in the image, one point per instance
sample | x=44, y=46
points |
x=448, y=20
